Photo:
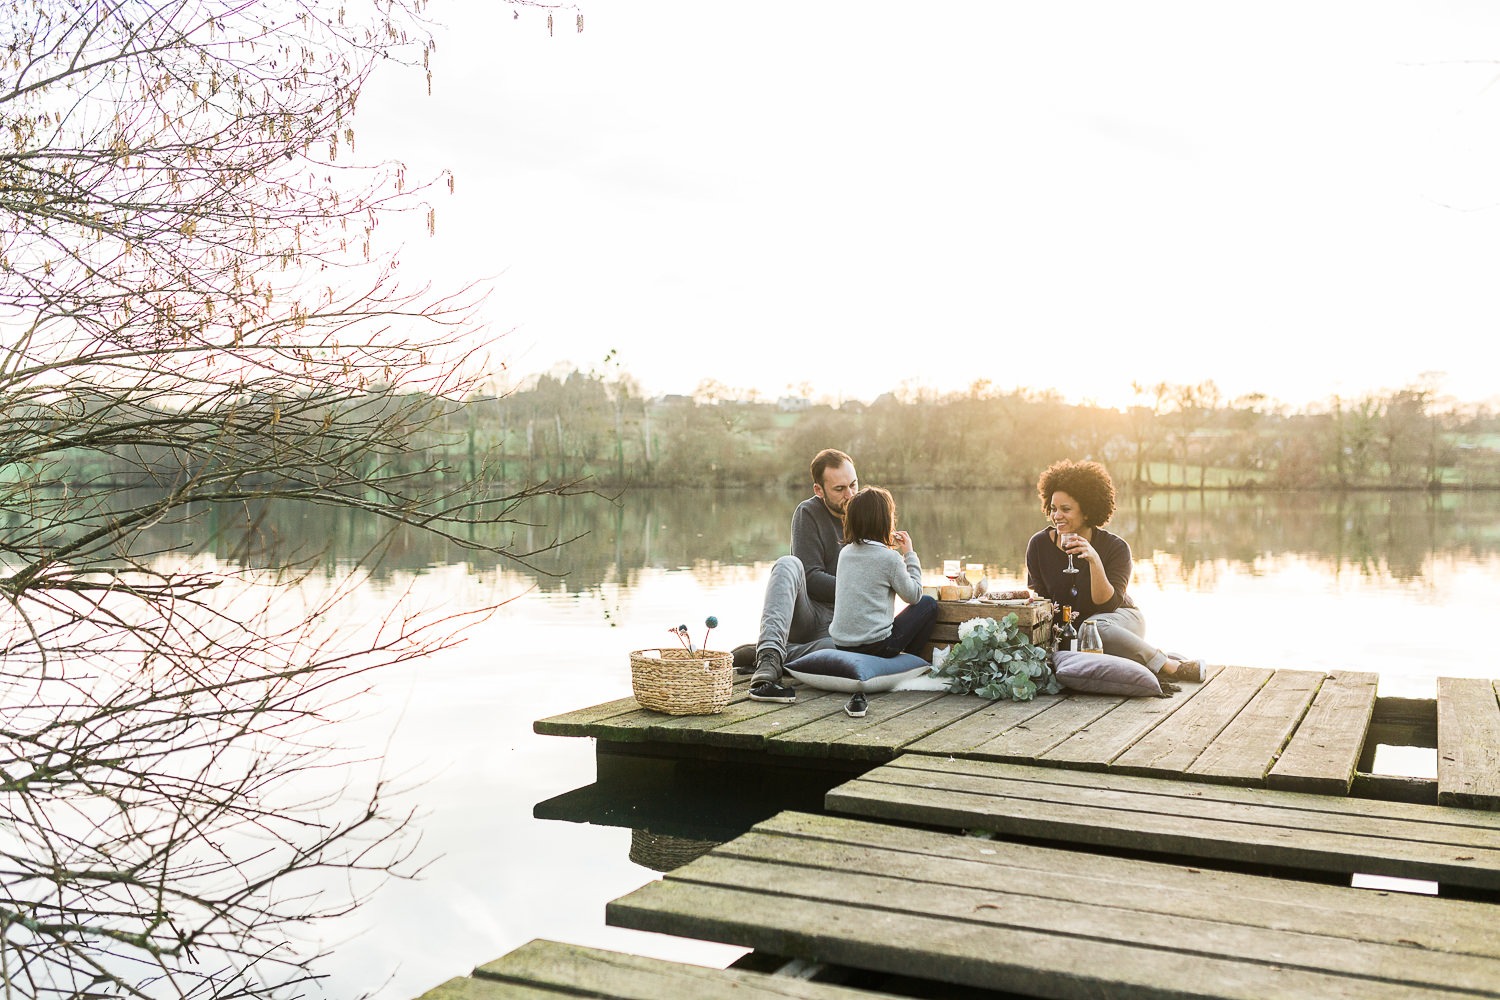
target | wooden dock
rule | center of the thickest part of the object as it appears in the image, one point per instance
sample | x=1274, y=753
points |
x=1039, y=921
x=1297, y=730
x=1072, y=846
x=547, y=970
x=1194, y=822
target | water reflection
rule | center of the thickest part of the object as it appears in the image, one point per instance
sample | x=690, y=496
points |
x=1370, y=581
x=1396, y=536
x=677, y=809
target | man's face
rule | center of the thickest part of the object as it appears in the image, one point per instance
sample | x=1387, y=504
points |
x=838, y=487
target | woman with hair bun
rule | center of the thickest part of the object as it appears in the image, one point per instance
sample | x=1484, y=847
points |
x=1078, y=499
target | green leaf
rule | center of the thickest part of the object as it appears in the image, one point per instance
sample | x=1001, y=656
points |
x=993, y=691
x=996, y=660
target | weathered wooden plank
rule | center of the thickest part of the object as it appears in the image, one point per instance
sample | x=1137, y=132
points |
x=982, y=953
x=1395, y=918
x=1361, y=809
x=1323, y=754
x=1101, y=741
x=1246, y=748
x=1298, y=835
x=1468, y=742
x=560, y=970
x=1256, y=826
x=1034, y=621
x=1176, y=742
x=1126, y=917
x=947, y=635
x=922, y=919
x=578, y=723
x=921, y=718
x=832, y=736
x=743, y=724
x=1418, y=714
x=985, y=790
x=980, y=727
x=1028, y=740
x=1168, y=891
x=644, y=725
x=770, y=718
x=955, y=613
x=464, y=988
x=626, y=716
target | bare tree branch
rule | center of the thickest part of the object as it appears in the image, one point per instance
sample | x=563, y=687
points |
x=197, y=317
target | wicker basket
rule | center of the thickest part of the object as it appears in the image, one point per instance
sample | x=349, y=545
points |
x=681, y=683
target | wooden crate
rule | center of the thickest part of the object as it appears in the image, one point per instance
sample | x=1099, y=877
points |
x=1035, y=620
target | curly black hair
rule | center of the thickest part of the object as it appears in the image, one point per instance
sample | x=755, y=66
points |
x=1086, y=482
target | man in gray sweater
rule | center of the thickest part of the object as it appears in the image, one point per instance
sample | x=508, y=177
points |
x=799, y=597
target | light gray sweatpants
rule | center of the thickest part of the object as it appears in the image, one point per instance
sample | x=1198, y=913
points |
x=1124, y=633
x=791, y=622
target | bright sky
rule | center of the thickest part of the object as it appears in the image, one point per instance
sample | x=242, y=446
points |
x=1298, y=199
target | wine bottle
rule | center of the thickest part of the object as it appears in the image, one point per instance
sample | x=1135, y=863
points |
x=1067, y=636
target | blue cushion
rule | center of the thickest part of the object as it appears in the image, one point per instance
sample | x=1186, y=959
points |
x=840, y=670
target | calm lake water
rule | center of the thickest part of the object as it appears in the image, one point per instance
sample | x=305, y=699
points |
x=1403, y=584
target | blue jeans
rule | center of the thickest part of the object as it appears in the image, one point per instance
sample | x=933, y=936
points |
x=908, y=632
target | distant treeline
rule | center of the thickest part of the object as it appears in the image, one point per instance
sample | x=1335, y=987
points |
x=1177, y=436
x=584, y=426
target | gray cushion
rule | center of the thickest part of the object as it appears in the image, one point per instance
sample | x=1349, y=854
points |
x=840, y=670
x=1102, y=673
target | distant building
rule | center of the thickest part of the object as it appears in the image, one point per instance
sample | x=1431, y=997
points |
x=792, y=404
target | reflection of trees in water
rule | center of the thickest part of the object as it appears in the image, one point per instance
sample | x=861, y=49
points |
x=1392, y=534
x=1165, y=569
x=1183, y=539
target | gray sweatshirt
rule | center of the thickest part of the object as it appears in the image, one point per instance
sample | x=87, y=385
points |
x=870, y=576
x=817, y=537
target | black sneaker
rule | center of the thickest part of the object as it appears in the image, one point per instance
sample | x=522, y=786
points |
x=744, y=659
x=856, y=707
x=771, y=691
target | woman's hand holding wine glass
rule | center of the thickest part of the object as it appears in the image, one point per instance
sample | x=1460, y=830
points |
x=1067, y=540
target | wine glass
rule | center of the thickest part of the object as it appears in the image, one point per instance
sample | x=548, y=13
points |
x=1089, y=640
x=952, y=569
x=973, y=572
x=1065, y=539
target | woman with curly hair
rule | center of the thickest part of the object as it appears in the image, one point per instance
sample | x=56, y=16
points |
x=1078, y=499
